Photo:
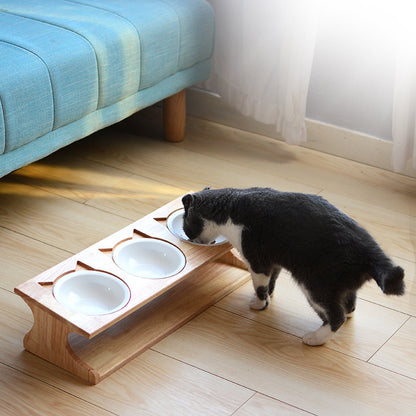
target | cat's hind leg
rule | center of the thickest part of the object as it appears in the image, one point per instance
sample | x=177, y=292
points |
x=273, y=278
x=333, y=316
x=261, y=298
x=349, y=304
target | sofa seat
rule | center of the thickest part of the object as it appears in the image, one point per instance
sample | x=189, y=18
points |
x=71, y=67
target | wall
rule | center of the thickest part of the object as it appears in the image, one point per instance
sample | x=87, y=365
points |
x=352, y=77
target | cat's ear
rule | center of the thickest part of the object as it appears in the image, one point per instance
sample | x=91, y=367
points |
x=187, y=201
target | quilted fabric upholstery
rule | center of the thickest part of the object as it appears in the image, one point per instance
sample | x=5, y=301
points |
x=70, y=67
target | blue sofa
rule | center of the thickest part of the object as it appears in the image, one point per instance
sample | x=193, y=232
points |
x=71, y=67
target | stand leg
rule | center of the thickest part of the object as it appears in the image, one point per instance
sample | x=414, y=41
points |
x=174, y=116
x=233, y=259
x=48, y=339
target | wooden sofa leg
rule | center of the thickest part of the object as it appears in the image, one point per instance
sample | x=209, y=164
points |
x=174, y=117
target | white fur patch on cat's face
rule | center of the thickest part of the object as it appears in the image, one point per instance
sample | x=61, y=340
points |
x=229, y=230
x=209, y=232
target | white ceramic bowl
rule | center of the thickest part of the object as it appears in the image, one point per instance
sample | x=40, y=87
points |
x=149, y=258
x=91, y=292
x=175, y=226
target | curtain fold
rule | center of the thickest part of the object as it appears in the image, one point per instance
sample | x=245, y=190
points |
x=263, y=59
x=404, y=100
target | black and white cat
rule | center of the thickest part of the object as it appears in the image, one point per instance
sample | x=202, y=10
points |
x=328, y=254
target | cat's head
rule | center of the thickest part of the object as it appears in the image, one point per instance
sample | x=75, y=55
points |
x=195, y=224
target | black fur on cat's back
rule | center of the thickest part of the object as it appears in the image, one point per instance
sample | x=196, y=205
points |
x=323, y=248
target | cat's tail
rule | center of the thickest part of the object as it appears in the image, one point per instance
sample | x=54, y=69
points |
x=390, y=279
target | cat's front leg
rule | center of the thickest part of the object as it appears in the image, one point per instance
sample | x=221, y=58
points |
x=261, y=298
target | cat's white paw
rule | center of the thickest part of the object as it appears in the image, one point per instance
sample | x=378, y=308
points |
x=350, y=315
x=318, y=337
x=259, y=305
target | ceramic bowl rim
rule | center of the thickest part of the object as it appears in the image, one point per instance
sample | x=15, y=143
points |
x=174, y=249
x=75, y=274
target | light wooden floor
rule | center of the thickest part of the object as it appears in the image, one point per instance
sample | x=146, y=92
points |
x=229, y=360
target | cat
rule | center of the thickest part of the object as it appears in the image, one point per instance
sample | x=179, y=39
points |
x=328, y=254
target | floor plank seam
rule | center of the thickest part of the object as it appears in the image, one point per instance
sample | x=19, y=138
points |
x=393, y=372
x=291, y=405
x=109, y=212
x=100, y=162
x=254, y=320
x=50, y=191
x=38, y=240
x=385, y=306
x=109, y=165
x=154, y=349
x=387, y=340
x=83, y=203
x=243, y=404
x=277, y=400
x=129, y=172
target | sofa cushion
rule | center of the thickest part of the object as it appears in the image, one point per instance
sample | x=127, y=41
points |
x=40, y=83
x=61, y=60
x=26, y=96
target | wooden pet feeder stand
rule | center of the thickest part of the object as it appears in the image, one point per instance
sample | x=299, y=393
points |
x=94, y=346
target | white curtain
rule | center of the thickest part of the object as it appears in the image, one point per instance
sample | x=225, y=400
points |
x=263, y=59
x=404, y=100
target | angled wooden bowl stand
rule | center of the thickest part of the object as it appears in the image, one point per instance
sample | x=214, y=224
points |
x=94, y=346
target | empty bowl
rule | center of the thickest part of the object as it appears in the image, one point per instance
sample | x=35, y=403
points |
x=91, y=292
x=149, y=258
x=175, y=226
